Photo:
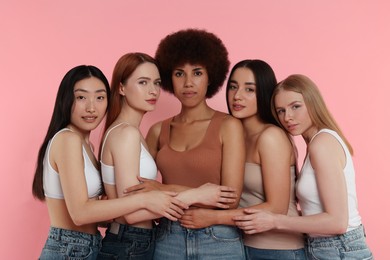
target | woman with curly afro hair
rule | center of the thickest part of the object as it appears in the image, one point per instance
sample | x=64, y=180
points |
x=197, y=146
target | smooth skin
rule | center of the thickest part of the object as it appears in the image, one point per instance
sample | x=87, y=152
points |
x=187, y=132
x=265, y=145
x=328, y=160
x=76, y=211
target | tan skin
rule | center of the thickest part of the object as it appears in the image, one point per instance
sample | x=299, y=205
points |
x=328, y=160
x=188, y=129
x=265, y=145
x=76, y=211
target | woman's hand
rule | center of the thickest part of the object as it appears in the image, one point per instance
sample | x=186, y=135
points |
x=209, y=195
x=164, y=204
x=144, y=186
x=197, y=218
x=255, y=221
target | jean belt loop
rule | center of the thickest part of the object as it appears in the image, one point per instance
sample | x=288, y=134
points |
x=56, y=233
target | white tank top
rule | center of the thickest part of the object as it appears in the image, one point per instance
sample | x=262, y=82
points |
x=307, y=191
x=51, y=179
x=147, y=165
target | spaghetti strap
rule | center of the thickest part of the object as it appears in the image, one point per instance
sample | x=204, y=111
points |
x=105, y=137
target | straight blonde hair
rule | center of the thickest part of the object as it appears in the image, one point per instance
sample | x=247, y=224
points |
x=316, y=107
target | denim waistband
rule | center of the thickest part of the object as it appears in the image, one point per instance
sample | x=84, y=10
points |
x=351, y=235
x=174, y=226
x=118, y=229
x=75, y=236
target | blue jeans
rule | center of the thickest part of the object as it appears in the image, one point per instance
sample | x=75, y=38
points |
x=351, y=245
x=70, y=245
x=215, y=242
x=274, y=254
x=127, y=242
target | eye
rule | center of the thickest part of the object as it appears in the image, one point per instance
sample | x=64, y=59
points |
x=101, y=98
x=142, y=82
x=198, y=73
x=295, y=107
x=157, y=83
x=80, y=97
x=232, y=87
x=280, y=111
x=249, y=89
x=178, y=74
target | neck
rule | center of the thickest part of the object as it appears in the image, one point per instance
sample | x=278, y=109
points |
x=84, y=134
x=190, y=114
x=252, y=125
x=130, y=116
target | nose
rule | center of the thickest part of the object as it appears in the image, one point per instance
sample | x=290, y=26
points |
x=187, y=81
x=237, y=95
x=91, y=106
x=153, y=90
x=287, y=115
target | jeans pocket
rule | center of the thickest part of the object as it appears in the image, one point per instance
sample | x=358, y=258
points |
x=225, y=233
x=363, y=254
x=78, y=252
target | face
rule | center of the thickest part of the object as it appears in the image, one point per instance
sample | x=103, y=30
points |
x=190, y=84
x=142, y=89
x=90, y=104
x=292, y=113
x=242, y=94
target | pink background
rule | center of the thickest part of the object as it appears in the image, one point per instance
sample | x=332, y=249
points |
x=342, y=45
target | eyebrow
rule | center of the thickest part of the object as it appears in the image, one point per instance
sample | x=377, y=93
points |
x=246, y=83
x=196, y=68
x=86, y=91
x=290, y=104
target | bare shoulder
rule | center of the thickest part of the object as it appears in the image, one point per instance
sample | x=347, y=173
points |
x=324, y=142
x=325, y=148
x=67, y=139
x=229, y=122
x=273, y=135
x=124, y=133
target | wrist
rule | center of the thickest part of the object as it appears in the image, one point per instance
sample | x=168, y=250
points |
x=278, y=221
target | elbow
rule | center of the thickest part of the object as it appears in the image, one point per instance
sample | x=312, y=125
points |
x=340, y=227
x=80, y=219
x=130, y=220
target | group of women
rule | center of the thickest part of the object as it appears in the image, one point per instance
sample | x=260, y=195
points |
x=230, y=183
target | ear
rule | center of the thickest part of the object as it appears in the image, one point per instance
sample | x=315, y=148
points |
x=121, y=89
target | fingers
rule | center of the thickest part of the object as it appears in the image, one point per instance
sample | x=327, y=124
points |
x=226, y=188
x=133, y=189
x=222, y=206
x=179, y=203
x=169, y=216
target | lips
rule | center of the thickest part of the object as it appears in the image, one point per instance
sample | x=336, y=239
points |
x=89, y=119
x=292, y=127
x=238, y=107
x=152, y=101
x=189, y=94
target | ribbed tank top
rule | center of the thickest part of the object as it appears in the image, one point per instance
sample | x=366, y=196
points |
x=196, y=166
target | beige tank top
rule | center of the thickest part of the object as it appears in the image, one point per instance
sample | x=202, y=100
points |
x=252, y=194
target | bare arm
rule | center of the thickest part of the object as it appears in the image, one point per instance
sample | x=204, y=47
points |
x=68, y=161
x=275, y=153
x=328, y=160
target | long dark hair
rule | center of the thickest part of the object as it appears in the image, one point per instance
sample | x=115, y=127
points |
x=62, y=114
x=265, y=81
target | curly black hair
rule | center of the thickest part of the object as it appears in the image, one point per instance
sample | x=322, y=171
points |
x=193, y=46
